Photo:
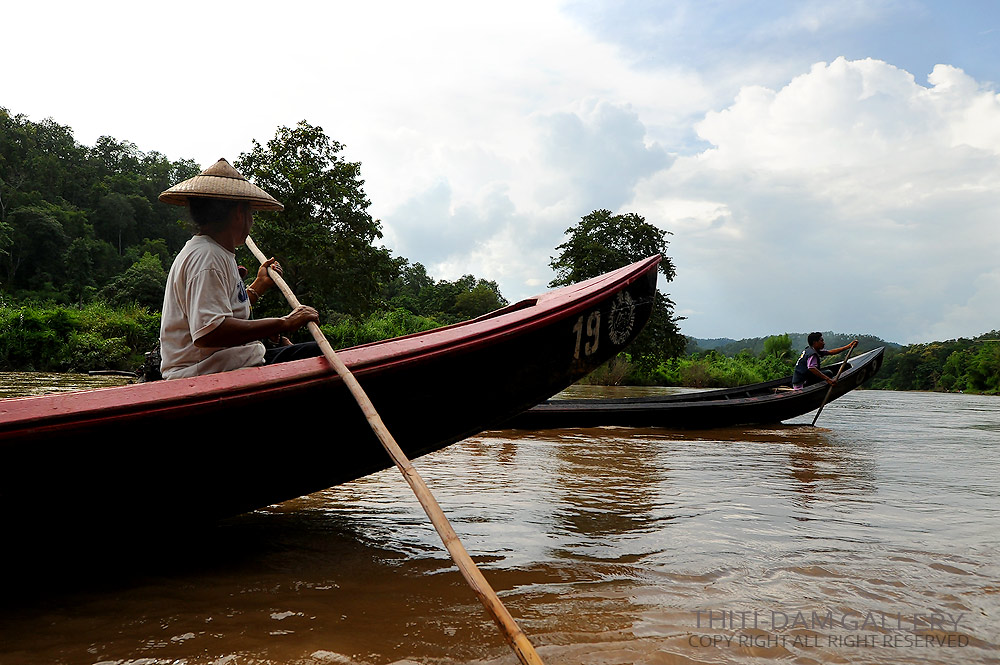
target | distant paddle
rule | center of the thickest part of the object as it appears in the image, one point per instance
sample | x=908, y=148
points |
x=842, y=366
x=514, y=636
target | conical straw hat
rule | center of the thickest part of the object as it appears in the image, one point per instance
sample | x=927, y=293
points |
x=220, y=181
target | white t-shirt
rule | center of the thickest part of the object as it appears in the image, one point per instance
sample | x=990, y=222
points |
x=203, y=289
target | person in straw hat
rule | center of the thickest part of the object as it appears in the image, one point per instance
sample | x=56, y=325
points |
x=206, y=325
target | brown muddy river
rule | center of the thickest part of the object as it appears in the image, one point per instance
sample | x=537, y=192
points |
x=871, y=539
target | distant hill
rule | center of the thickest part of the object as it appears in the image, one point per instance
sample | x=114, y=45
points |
x=755, y=345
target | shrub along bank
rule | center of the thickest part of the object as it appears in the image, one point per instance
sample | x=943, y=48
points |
x=97, y=336
x=969, y=365
x=708, y=369
x=64, y=339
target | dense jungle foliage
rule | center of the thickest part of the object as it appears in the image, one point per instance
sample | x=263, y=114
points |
x=957, y=365
x=85, y=246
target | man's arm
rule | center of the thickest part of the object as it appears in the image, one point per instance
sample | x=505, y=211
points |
x=263, y=282
x=822, y=376
x=851, y=345
x=235, y=332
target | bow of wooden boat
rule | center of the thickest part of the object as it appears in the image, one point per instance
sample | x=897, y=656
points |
x=206, y=447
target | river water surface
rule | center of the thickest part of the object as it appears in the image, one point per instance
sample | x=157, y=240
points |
x=870, y=539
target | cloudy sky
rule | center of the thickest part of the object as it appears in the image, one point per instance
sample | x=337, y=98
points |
x=821, y=165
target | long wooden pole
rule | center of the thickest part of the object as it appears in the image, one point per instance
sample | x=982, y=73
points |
x=828, y=392
x=514, y=636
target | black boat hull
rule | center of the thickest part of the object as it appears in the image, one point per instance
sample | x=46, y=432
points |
x=763, y=403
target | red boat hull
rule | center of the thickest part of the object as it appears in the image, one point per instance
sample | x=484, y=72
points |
x=213, y=446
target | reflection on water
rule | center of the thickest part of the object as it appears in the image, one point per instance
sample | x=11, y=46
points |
x=23, y=384
x=869, y=539
x=629, y=501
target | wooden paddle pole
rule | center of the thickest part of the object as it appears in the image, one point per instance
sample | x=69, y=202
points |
x=514, y=636
x=828, y=392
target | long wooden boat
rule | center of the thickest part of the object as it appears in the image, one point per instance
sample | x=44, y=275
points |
x=761, y=403
x=213, y=446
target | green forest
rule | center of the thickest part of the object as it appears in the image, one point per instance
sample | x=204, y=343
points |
x=85, y=245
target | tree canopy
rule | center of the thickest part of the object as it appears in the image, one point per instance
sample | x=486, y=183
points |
x=71, y=216
x=601, y=242
x=778, y=346
x=325, y=233
x=447, y=301
x=958, y=365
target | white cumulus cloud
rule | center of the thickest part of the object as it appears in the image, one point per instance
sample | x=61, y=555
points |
x=853, y=198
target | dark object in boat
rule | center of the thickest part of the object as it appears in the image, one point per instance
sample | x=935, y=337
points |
x=213, y=446
x=112, y=372
x=757, y=404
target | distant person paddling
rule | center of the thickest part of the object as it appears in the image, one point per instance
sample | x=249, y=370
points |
x=807, y=368
x=206, y=326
